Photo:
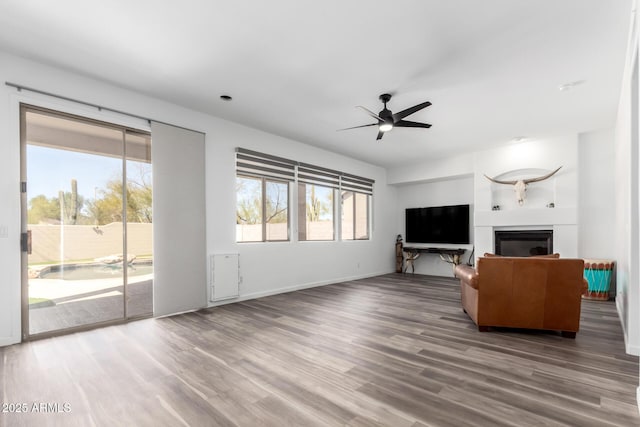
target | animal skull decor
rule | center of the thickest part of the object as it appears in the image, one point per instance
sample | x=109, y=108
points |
x=520, y=185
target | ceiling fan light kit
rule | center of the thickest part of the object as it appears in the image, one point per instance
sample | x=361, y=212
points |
x=385, y=127
x=388, y=120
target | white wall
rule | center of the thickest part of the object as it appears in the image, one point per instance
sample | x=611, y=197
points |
x=266, y=268
x=596, y=197
x=455, y=191
x=433, y=170
x=626, y=230
x=627, y=197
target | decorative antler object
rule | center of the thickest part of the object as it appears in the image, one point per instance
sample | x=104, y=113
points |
x=520, y=185
x=454, y=260
x=409, y=262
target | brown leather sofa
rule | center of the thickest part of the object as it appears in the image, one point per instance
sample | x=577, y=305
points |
x=531, y=293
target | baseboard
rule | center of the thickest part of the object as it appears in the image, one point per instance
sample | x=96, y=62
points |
x=633, y=350
x=630, y=349
x=5, y=341
x=621, y=315
x=177, y=313
x=283, y=290
x=638, y=398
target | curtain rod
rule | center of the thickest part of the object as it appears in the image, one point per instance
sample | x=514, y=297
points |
x=98, y=107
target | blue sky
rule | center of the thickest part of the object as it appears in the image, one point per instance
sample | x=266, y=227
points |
x=51, y=170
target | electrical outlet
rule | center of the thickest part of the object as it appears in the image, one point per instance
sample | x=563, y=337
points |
x=4, y=231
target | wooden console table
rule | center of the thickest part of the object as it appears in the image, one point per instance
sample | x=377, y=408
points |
x=450, y=255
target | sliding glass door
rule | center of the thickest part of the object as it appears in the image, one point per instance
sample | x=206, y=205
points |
x=87, y=222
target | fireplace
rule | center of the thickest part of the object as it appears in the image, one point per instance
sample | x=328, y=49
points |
x=524, y=243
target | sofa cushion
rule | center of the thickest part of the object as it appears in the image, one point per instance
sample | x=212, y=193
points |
x=490, y=255
x=556, y=255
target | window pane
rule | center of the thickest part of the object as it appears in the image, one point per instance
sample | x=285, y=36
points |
x=317, y=223
x=248, y=209
x=347, y=215
x=362, y=216
x=277, y=201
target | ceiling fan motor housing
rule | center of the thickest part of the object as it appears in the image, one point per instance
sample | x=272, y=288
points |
x=386, y=115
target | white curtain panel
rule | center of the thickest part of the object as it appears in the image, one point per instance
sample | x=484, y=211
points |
x=179, y=247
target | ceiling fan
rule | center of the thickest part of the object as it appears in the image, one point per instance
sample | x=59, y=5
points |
x=388, y=120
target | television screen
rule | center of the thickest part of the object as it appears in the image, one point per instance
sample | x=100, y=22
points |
x=439, y=224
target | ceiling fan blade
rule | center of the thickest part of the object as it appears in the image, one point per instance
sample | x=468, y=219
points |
x=371, y=113
x=356, y=127
x=408, y=124
x=404, y=113
x=380, y=133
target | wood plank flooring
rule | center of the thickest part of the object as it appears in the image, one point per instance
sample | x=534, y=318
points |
x=394, y=350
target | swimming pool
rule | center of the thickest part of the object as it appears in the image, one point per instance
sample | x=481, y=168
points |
x=94, y=271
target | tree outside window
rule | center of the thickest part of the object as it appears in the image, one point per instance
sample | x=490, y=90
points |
x=315, y=212
x=262, y=210
x=276, y=210
x=104, y=208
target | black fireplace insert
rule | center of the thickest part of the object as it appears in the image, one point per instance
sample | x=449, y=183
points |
x=524, y=243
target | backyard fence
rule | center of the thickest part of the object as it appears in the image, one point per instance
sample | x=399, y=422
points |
x=53, y=243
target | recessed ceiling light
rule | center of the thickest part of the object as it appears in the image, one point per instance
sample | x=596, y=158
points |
x=568, y=86
x=518, y=139
x=225, y=97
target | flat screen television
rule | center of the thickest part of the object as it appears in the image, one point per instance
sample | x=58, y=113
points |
x=438, y=224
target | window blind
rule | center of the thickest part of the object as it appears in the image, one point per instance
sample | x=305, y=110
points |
x=356, y=183
x=260, y=165
x=310, y=174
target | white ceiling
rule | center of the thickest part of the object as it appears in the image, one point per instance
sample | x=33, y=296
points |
x=298, y=68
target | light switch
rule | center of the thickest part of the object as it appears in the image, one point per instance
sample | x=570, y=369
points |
x=4, y=231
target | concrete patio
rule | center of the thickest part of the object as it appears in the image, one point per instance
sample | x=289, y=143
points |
x=83, y=302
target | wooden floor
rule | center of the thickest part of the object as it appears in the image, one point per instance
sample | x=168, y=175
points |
x=394, y=350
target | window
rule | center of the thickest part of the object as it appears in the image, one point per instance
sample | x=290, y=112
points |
x=356, y=197
x=276, y=216
x=316, y=195
x=315, y=212
x=248, y=209
x=355, y=215
x=262, y=197
x=262, y=210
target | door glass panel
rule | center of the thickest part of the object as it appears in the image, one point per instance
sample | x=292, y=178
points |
x=139, y=225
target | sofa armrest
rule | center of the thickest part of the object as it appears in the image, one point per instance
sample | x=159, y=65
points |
x=467, y=275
